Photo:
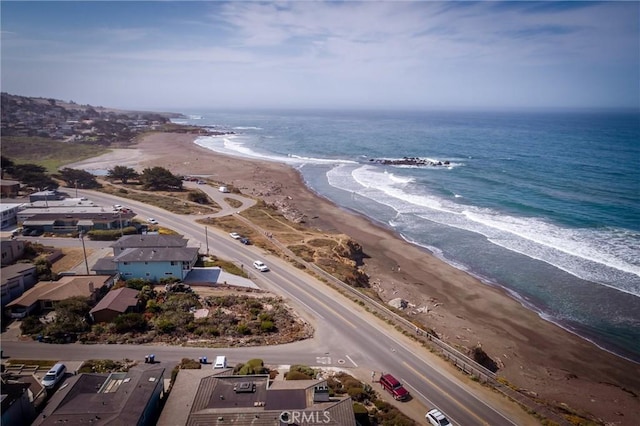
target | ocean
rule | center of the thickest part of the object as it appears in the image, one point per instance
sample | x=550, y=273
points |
x=543, y=204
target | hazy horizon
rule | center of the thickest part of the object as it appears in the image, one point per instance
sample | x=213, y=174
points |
x=325, y=55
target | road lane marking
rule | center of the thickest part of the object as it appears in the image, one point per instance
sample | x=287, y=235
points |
x=447, y=394
x=302, y=289
x=352, y=361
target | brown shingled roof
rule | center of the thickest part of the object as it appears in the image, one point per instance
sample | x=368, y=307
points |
x=117, y=300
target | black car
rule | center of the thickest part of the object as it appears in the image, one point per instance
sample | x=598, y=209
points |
x=245, y=241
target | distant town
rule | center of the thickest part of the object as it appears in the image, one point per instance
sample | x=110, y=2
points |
x=71, y=122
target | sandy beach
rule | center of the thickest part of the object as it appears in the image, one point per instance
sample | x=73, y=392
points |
x=533, y=354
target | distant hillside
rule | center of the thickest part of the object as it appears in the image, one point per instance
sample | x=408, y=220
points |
x=8, y=99
x=69, y=122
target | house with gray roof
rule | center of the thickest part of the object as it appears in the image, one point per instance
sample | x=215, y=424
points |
x=123, y=398
x=148, y=241
x=155, y=263
x=222, y=398
x=16, y=279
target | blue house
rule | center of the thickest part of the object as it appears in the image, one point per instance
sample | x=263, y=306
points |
x=154, y=263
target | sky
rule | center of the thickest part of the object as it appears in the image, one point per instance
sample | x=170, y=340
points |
x=316, y=54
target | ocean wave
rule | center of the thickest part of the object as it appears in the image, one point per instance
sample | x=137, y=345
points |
x=236, y=145
x=247, y=128
x=607, y=256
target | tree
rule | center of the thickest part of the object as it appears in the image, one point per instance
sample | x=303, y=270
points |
x=6, y=164
x=159, y=178
x=33, y=175
x=79, y=178
x=122, y=173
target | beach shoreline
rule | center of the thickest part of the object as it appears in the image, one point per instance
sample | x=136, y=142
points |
x=534, y=354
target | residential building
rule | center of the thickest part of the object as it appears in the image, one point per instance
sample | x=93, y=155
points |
x=154, y=263
x=9, y=188
x=9, y=214
x=12, y=250
x=16, y=279
x=124, y=398
x=46, y=196
x=114, y=303
x=204, y=397
x=17, y=403
x=68, y=221
x=148, y=241
x=45, y=293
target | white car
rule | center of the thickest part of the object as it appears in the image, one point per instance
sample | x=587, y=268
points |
x=436, y=418
x=152, y=221
x=235, y=235
x=260, y=266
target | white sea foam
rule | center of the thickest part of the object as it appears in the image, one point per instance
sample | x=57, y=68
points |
x=606, y=256
x=247, y=128
x=236, y=145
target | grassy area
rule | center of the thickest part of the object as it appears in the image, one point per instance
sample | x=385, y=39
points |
x=47, y=153
x=174, y=202
x=45, y=363
x=227, y=266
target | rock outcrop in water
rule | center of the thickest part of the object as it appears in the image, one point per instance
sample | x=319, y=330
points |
x=409, y=161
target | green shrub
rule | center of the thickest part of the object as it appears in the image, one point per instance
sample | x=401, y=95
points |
x=267, y=326
x=130, y=322
x=31, y=325
x=305, y=370
x=165, y=326
x=190, y=364
x=296, y=375
x=243, y=329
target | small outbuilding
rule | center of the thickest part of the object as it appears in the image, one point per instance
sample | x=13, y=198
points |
x=114, y=303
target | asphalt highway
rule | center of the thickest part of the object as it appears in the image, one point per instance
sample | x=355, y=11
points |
x=346, y=335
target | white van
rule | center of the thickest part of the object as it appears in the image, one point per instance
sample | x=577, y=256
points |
x=53, y=376
x=221, y=362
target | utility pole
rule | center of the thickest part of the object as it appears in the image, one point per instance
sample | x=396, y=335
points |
x=206, y=238
x=84, y=250
x=76, y=188
x=120, y=217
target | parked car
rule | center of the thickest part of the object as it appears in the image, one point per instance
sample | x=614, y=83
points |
x=53, y=376
x=235, y=235
x=394, y=387
x=245, y=241
x=436, y=418
x=221, y=362
x=152, y=221
x=260, y=266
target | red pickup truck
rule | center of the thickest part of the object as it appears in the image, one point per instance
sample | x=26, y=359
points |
x=394, y=387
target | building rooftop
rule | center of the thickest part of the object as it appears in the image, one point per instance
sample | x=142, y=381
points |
x=101, y=399
x=206, y=397
x=150, y=240
x=64, y=288
x=118, y=300
x=157, y=254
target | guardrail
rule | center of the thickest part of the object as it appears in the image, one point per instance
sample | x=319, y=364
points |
x=457, y=358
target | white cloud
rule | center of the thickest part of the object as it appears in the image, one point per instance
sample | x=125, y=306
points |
x=412, y=53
